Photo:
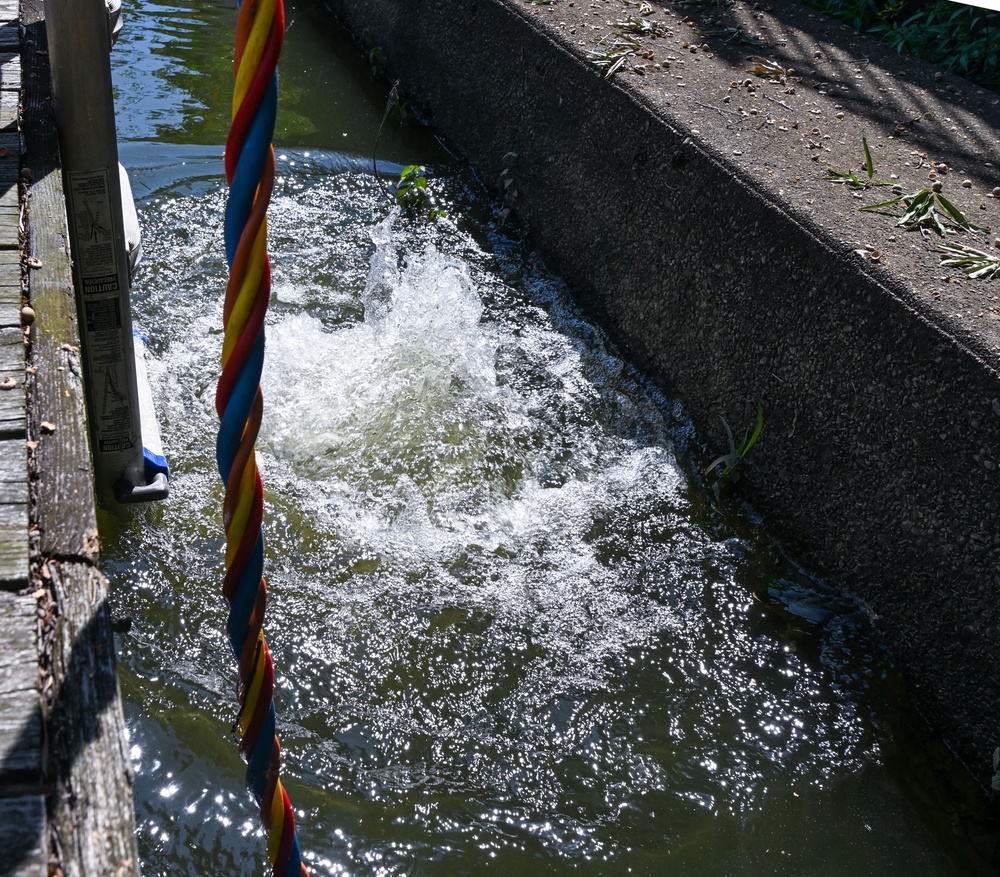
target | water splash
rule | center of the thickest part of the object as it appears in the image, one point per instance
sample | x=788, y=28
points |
x=504, y=634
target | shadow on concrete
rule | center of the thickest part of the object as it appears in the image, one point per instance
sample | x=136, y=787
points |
x=870, y=79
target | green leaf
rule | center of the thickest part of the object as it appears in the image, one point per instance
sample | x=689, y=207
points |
x=869, y=166
x=725, y=458
x=756, y=433
x=848, y=177
x=957, y=215
x=883, y=204
x=729, y=433
x=952, y=210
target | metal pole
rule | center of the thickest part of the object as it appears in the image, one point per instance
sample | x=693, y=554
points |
x=80, y=38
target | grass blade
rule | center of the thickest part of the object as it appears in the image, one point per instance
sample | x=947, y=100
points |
x=957, y=216
x=883, y=204
x=869, y=166
x=756, y=432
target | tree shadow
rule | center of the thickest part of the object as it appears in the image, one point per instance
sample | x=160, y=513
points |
x=896, y=95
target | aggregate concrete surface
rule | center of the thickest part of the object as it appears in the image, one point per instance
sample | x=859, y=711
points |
x=782, y=93
x=686, y=199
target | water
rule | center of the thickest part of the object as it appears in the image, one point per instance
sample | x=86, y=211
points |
x=510, y=634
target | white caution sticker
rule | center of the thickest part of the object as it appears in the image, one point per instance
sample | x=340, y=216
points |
x=96, y=255
x=104, y=341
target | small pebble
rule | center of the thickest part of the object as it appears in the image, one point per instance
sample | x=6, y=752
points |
x=996, y=192
x=47, y=427
x=967, y=184
x=33, y=262
x=27, y=315
x=8, y=384
x=937, y=186
x=840, y=116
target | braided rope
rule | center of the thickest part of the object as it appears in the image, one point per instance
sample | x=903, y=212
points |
x=240, y=403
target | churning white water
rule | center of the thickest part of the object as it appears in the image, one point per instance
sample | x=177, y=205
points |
x=509, y=631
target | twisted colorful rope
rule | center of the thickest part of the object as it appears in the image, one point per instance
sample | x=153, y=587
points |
x=240, y=404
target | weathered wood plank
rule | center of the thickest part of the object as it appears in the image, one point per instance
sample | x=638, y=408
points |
x=11, y=347
x=93, y=818
x=20, y=738
x=10, y=70
x=9, y=161
x=19, y=656
x=14, y=544
x=10, y=297
x=23, y=844
x=13, y=414
x=20, y=709
x=23, y=835
x=66, y=516
x=10, y=209
x=8, y=110
x=13, y=471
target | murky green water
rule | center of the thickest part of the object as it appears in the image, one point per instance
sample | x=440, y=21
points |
x=510, y=636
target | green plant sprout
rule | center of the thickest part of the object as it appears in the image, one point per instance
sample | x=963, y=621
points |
x=922, y=212
x=615, y=55
x=852, y=179
x=632, y=25
x=412, y=193
x=728, y=464
x=979, y=265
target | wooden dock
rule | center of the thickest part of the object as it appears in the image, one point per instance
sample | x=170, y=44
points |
x=24, y=840
x=65, y=788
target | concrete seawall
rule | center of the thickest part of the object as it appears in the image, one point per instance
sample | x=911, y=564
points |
x=692, y=216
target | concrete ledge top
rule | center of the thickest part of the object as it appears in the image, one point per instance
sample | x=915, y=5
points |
x=780, y=132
